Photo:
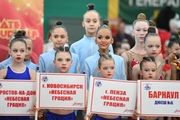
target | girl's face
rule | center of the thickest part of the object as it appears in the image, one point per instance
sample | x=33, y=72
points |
x=148, y=71
x=174, y=48
x=107, y=69
x=153, y=45
x=91, y=22
x=63, y=61
x=104, y=39
x=140, y=30
x=29, y=49
x=18, y=51
x=59, y=37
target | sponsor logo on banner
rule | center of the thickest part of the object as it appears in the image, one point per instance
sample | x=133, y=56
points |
x=77, y=104
x=98, y=84
x=177, y=111
x=147, y=86
x=44, y=78
x=128, y=111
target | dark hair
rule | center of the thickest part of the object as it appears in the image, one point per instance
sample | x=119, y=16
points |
x=90, y=6
x=146, y=59
x=12, y=36
x=152, y=23
x=105, y=25
x=125, y=41
x=173, y=40
x=104, y=56
x=151, y=32
x=91, y=9
x=62, y=49
x=57, y=25
x=19, y=37
x=140, y=17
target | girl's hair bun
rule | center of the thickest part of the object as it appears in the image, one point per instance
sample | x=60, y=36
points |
x=90, y=6
x=149, y=59
x=105, y=22
x=20, y=33
x=151, y=30
x=141, y=16
x=152, y=23
x=66, y=48
x=173, y=38
x=58, y=23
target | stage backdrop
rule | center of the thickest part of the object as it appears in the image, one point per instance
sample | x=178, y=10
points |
x=21, y=15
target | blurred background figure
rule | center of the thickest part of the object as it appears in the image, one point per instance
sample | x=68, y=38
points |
x=121, y=35
x=167, y=23
x=166, y=52
x=48, y=46
x=122, y=47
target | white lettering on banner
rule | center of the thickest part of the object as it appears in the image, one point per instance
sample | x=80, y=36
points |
x=139, y=3
x=162, y=2
x=154, y=3
x=130, y=2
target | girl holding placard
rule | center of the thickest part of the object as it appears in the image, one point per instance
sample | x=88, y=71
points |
x=148, y=70
x=103, y=40
x=63, y=61
x=106, y=66
x=17, y=70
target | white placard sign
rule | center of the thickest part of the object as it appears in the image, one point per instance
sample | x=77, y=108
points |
x=17, y=97
x=61, y=91
x=159, y=98
x=111, y=97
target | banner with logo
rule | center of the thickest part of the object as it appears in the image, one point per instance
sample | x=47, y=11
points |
x=21, y=15
x=111, y=97
x=17, y=97
x=158, y=98
x=61, y=91
x=129, y=9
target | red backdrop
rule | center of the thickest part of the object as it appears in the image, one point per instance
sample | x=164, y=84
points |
x=18, y=15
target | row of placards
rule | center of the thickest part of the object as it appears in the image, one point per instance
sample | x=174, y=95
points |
x=106, y=96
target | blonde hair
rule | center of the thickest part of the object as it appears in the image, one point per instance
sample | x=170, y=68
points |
x=103, y=57
x=140, y=17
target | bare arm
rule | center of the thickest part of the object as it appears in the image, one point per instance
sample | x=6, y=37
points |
x=160, y=57
x=32, y=75
x=173, y=72
x=168, y=75
x=3, y=73
x=135, y=72
x=125, y=57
